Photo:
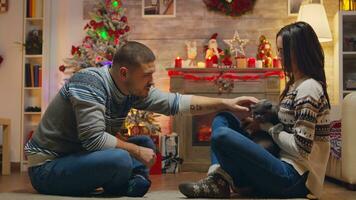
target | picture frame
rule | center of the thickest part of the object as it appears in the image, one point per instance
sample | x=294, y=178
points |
x=158, y=8
x=4, y=6
x=294, y=5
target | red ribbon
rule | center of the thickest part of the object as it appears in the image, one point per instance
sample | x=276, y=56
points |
x=225, y=76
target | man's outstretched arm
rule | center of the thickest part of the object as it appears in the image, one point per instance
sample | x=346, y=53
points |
x=174, y=103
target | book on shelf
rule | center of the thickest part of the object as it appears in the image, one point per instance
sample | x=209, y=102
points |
x=40, y=77
x=33, y=75
x=28, y=75
x=36, y=71
x=34, y=8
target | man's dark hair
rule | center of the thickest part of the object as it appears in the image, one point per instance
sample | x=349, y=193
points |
x=132, y=55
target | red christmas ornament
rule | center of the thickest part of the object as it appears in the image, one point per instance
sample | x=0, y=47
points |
x=117, y=41
x=62, y=68
x=100, y=24
x=92, y=23
x=121, y=31
x=109, y=56
x=127, y=28
x=86, y=26
x=111, y=32
x=75, y=50
x=123, y=19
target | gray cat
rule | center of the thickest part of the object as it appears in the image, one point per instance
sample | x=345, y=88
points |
x=262, y=112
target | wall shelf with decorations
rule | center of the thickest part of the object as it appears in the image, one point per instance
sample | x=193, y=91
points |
x=34, y=69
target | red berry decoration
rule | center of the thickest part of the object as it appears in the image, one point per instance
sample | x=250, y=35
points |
x=62, y=68
x=123, y=19
x=121, y=31
x=127, y=28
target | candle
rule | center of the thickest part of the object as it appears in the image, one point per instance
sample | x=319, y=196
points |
x=208, y=62
x=259, y=64
x=276, y=62
x=201, y=65
x=251, y=63
x=178, y=63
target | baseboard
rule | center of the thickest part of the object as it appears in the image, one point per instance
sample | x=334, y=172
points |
x=348, y=186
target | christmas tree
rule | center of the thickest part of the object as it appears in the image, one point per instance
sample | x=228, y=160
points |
x=264, y=52
x=105, y=33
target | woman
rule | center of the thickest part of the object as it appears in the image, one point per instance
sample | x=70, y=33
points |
x=302, y=135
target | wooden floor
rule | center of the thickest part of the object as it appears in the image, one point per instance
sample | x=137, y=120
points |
x=19, y=182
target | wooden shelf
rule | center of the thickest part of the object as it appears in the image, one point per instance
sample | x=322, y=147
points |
x=32, y=88
x=34, y=18
x=349, y=52
x=33, y=56
x=32, y=113
x=344, y=12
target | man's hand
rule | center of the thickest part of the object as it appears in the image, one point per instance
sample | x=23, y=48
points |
x=240, y=104
x=203, y=105
x=146, y=155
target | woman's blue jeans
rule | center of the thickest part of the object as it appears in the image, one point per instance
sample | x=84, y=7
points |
x=249, y=164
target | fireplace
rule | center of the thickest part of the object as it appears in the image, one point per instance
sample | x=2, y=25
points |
x=201, y=130
x=195, y=131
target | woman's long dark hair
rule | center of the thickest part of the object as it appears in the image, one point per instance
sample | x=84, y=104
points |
x=300, y=40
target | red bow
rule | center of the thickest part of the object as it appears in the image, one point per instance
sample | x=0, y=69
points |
x=75, y=50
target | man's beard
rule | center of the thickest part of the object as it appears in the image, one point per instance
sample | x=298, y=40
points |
x=136, y=91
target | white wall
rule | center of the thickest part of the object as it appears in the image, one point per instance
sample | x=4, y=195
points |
x=66, y=27
x=11, y=26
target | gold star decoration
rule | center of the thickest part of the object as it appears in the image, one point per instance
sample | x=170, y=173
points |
x=237, y=44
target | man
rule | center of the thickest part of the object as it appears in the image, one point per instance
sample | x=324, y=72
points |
x=74, y=150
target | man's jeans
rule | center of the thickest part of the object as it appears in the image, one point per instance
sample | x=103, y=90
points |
x=251, y=165
x=82, y=173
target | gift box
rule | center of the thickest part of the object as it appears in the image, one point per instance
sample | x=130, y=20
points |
x=170, y=153
x=241, y=62
x=156, y=169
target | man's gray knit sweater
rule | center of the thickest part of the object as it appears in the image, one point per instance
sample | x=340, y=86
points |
x=88, y=111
